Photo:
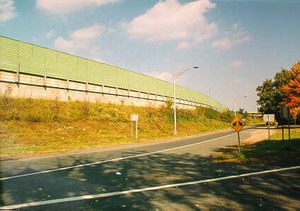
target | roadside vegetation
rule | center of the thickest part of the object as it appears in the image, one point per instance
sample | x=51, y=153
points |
x=273, y=150
x=33, y=126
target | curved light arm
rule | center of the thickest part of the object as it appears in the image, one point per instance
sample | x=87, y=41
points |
x=182, y=72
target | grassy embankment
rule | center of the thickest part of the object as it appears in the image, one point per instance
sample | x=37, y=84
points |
x=31, y=126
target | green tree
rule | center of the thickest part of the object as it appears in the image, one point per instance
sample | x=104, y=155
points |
x=269, y=93
x=266, y=94
x=243, y=113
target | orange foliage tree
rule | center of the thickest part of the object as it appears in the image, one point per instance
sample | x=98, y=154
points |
x=291, y=91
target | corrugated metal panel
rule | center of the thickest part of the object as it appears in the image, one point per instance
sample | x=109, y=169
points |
x=109, y=75
x=37, y=65
x=143, y=83
x=124, y=75
x=118, y=82
x=25, y=56
x=82, y=73
x=94, y=73
x=132, y=80
x=165, y=88
x=151, y=84
x=9, y=54
x=51, y=64
x=62, y=71
x=69, y=66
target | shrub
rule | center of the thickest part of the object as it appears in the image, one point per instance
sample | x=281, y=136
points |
x=169, y=103
x=85, y=110
x=226, y=116
x=200, y=111
x=55, y=110
x=187, y=116
x=33, y=118
x=211, y=113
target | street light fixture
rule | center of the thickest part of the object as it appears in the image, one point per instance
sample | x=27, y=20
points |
x=175, y=76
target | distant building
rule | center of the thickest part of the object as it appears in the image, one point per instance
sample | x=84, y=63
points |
x=255, y=115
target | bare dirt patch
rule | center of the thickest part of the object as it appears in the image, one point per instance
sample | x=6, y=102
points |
x=257, y=136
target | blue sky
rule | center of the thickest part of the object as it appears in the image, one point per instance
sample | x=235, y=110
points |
x=237, y=44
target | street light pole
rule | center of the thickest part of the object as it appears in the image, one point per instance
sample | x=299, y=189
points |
x=175, y=76
x=235, y=107
x=174, y=106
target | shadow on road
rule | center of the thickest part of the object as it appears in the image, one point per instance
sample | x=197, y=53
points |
x=269, y=191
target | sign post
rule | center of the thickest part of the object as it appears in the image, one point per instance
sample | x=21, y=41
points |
x=134, y=118
x=237, y=124
x=285, y=113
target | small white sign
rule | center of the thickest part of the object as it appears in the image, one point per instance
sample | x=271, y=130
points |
x=134, y=117
x=269, y=117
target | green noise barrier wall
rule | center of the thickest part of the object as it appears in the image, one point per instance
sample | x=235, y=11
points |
x=22, y=57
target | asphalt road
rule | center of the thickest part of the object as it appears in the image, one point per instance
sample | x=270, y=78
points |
x=166, y=175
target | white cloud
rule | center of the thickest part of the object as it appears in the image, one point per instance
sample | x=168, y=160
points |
x=63, y=7
x=161, y=75
x=237, y=81
x=81, y=39
x=7, y=10
x=50, y=34
x=171, y=21
x=184, y=45
x=237, y=63
x=232, y=38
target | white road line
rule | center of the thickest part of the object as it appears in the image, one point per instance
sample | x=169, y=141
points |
x=117, y=193
x=112, y=160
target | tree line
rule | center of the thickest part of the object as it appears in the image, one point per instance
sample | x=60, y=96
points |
x=281, y=91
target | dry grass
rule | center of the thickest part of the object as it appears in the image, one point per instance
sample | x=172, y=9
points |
x=30, y=126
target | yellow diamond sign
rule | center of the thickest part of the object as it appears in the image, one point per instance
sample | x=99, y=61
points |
x=237, y=124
